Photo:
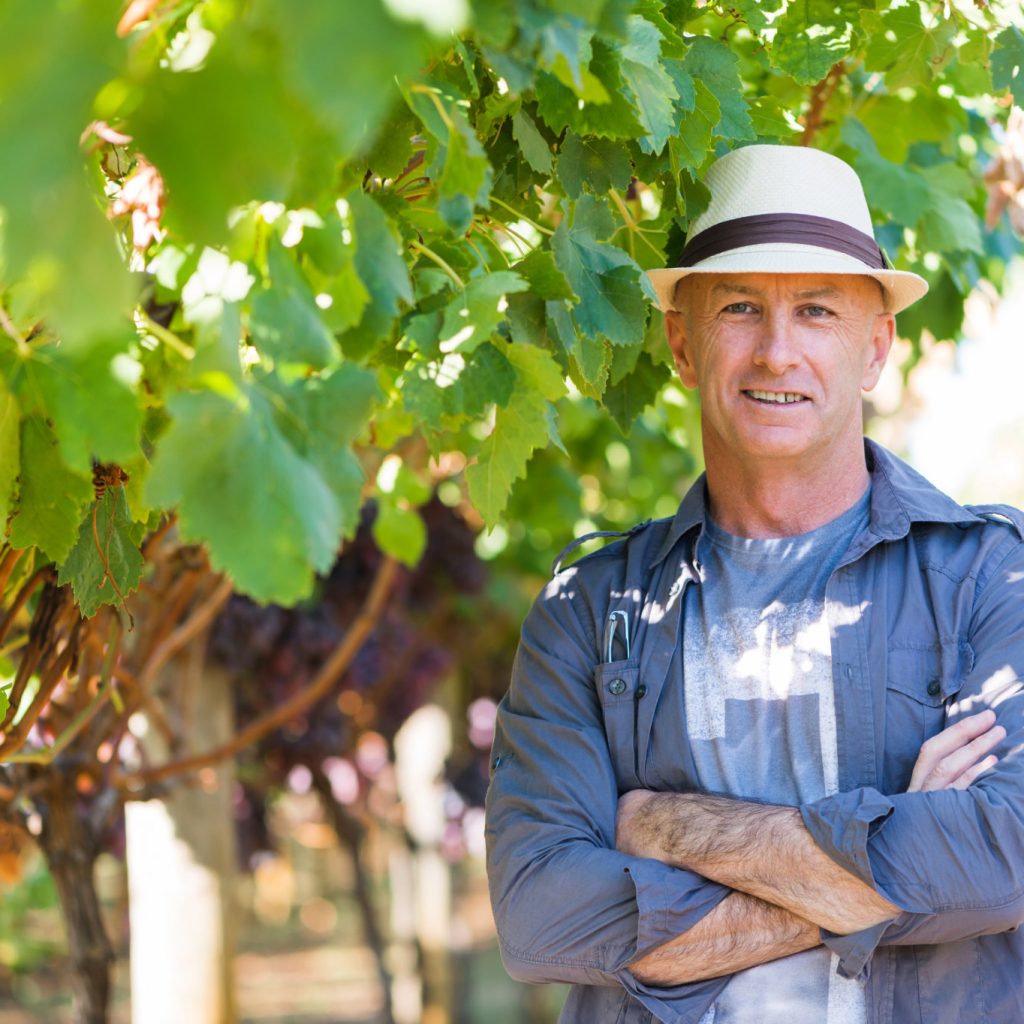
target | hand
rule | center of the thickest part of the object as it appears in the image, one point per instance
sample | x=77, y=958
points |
x=955, y=757
x=629, y=838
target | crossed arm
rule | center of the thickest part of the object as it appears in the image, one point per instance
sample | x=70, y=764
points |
x=784, y=885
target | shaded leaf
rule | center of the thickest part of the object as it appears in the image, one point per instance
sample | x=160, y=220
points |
x=265, y=513
x=904, y=48
x=813, y=35
x=52, y=497
x=598, y=164
x=629, y=397
x=1008, y=62
x=399, y=532
x=714, y=64
x=105, y=565
x=285, y=321
x=651, y=85
x=534, y=146
x=474, y=313
x=608, y=281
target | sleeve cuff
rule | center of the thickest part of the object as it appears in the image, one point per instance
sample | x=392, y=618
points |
x=843, y=823
x=670, y=901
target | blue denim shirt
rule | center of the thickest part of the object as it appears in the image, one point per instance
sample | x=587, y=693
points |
x=927, y=618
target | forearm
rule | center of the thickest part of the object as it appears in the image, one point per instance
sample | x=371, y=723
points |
x=741, y=932
x=762, y=850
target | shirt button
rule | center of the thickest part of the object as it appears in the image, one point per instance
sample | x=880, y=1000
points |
x=933, y=687
x=617, y=687
x=641, y=690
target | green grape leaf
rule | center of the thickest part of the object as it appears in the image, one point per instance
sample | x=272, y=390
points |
x=251, y=128
x=608, y=281
x=89, y=395
x=534, y=146
x=488, y=377
x=55, y=236
x=651, y=85
x=379, y=255
x=635, y=391
x=617, y=119
x=896, y=190
x=466, y=179
x=52, y=496
x=949, y=225
x=10, y=449
x=546, y=281
x=813, y=35
x=399, y=532
x=284, y=320
x=896, y=124
x=592, y=359
x=940, y=312
x=1008, y=63
x=473, y=314
x=267, y=516
x=519, y=429
x=714, y=64
x=345, y=66
x=322, y=418
x=600, y=164
x=566, y=52
x=691, y=146
x=768, y=117
x=754, y=12
x=902, y=46
x=105, y=565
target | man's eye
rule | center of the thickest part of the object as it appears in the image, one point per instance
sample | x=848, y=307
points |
x=816, y=311
x=739, y=307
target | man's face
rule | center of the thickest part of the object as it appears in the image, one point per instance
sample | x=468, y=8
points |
x=779, y=359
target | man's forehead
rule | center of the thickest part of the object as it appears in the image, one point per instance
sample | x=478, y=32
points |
x=793, y=286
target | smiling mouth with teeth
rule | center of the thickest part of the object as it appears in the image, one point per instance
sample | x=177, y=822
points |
x=776, y=397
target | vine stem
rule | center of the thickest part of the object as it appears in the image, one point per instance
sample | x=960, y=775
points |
x=12, y=332
x=522, y=216
x=821, y=94
x=631, y=224
x=431, y=94
x=321, y=685
x=434, y=258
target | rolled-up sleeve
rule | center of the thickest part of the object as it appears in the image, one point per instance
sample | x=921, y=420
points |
x=952, y=860
x=568, y=906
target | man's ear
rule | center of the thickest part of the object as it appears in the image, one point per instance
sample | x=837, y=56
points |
x=882, y=335
x=678, y=336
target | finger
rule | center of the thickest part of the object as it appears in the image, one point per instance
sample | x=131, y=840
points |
x=948, y=741
x=953, y=765
x=973, y=772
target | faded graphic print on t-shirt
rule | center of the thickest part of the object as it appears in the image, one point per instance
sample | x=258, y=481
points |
x=760, y=713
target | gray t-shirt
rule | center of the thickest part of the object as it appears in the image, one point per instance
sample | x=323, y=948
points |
x=760, y=714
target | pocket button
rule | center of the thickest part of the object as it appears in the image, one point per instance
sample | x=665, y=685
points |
x=933, y=687
x=617, y=687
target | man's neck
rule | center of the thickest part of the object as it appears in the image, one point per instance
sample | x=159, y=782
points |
x=780, y=499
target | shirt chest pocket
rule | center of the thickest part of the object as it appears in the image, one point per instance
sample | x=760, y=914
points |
x=921, y=680
x=620, y=692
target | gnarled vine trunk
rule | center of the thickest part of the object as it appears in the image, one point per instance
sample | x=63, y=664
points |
x=70, y=850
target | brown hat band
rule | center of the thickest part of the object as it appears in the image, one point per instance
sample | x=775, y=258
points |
x=799, y=228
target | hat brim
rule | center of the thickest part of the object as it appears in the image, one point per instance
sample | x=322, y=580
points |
x=902, y=288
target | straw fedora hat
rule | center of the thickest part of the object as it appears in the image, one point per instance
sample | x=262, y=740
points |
x=785, y=210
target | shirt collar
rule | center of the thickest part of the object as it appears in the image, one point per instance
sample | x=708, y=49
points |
x=900, y=496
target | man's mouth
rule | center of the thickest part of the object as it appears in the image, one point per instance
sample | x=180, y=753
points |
x=776, y=397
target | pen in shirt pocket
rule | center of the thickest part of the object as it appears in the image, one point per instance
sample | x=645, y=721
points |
x=616, y=635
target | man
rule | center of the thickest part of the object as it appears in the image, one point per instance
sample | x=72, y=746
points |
x=761, y=762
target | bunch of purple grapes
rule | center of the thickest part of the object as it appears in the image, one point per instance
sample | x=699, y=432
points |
x=274, y=652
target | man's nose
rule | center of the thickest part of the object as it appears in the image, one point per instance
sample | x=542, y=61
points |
x=777, y=349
